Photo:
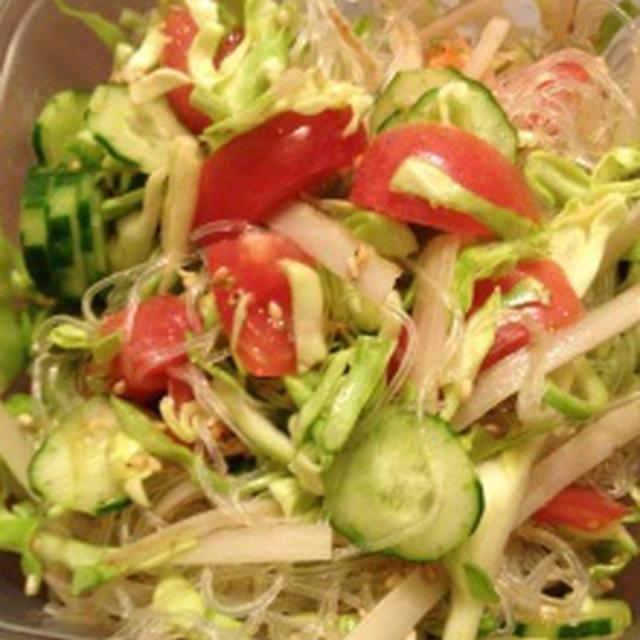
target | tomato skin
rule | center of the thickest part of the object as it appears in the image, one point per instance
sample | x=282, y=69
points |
x=581, y=508
x=228, y=46
x=189, y=116
x=181, y=29
x=180, y=391
x=470, y=161
x=248, y=264
x=258, y=171
x=564, y=306
x=160, y=324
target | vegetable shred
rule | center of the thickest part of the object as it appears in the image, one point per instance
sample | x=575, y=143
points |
x=324, y=323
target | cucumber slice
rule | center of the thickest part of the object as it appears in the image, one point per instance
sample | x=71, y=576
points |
x=73, y=467
x=64, y=235
x=99, y=233
x=85, y=187
x=470, y=106
x=467, y=105
x=597, y=619
x=404, y=89
x=62, y=118
x=135, y=135
x=34, y=231
x=92, y=232
x=404, y=486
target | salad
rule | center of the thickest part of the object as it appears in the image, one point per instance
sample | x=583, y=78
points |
x=330, y=319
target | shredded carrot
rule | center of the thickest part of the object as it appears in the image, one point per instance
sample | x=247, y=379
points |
x=448, y=52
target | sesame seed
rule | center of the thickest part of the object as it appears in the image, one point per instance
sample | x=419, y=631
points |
x=234, y=297
x=119, y=387
x=189, y=279
x=222, y=276
x=361, y=255
x=352, y=268
x=275, y=310
x=493, y=429
x=25, y=420
x=466, y=387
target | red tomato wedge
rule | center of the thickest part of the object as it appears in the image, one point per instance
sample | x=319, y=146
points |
x=247, y=267
x=159, y=330
x=180, y=391
x=564, y=306
x=181, y=29
x=581, y=508
x=470, y=161
x=256, y=172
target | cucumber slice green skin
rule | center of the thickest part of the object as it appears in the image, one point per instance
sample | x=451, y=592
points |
x=62, y=118
x=404, y=89
x=600, y=618
x=72, y=467
x=62, y=231
x=92, y=232
x=64, y=237
x=136, y=136
x=34, y=231
x=404, y=487
x=481, y=115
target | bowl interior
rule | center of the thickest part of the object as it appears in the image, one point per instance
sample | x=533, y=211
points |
x=41, y=52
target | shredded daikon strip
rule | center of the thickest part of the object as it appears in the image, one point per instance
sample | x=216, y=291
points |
x=431, y=315
x=483, y=53
x=191, y=529
x=464, y=13
x=588, y=448
x=336, y=248
x=510, y=375
x=262, y=543
x=504, y=480
x=396, y=615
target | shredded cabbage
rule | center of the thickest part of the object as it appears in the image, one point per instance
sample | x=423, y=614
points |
x=222, y=532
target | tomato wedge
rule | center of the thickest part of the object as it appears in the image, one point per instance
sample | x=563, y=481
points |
x=159, y=330
x=564, y=306
x=248, y=281
x=180, y=391
x=581, y=508
x=181, y=29
x=256, y=172
x=470, y=161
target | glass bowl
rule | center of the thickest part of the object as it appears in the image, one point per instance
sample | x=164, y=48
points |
x=41, y=52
